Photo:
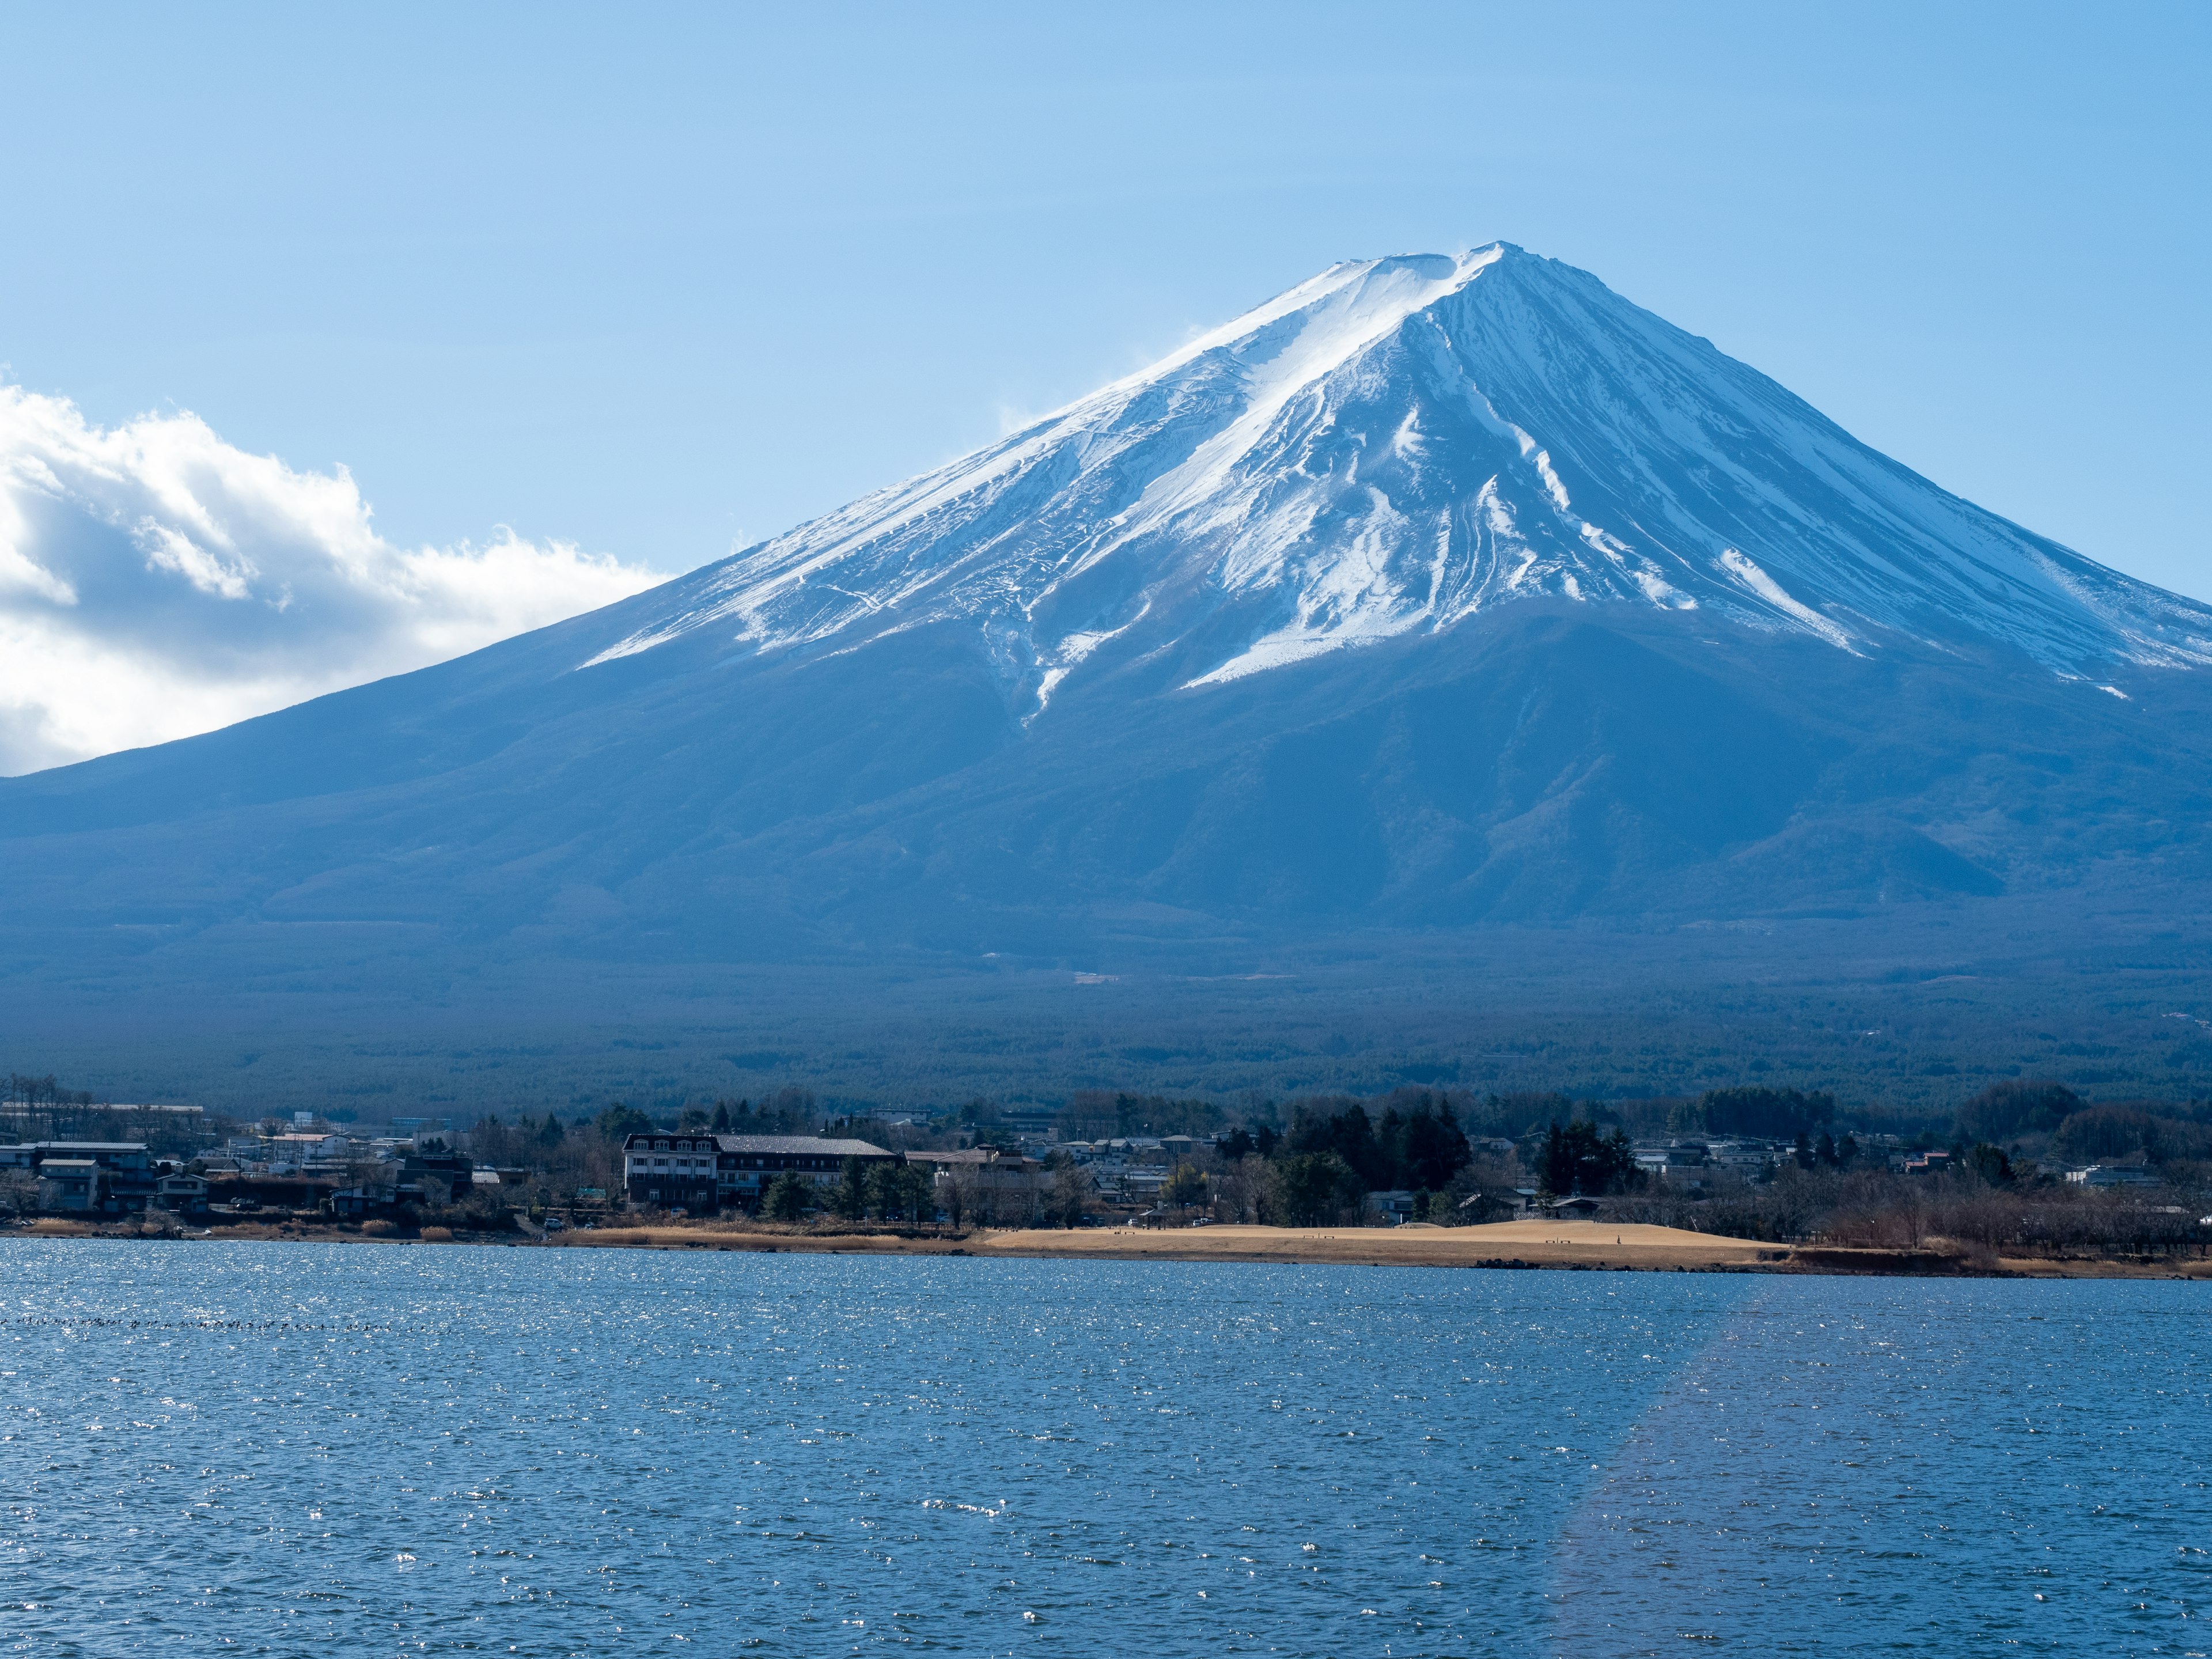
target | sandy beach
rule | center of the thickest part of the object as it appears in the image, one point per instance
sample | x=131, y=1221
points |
x=1541, y=1244
x=1623, y=1247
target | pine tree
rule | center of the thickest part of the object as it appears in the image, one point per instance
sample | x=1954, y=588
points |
x=787, y=1198
x=851, y=1199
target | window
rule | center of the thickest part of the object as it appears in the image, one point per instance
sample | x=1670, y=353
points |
x=659, y=1146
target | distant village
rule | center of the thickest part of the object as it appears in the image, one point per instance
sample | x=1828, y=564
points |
x=1408, y=1159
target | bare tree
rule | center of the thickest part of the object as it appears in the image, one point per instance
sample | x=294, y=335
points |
x=1247, y=1190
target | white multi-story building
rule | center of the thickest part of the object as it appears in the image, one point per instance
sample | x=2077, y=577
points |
x=696, y=1171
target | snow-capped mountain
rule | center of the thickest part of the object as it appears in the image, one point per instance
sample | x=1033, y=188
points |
x=1398, y=445
x=1435, y=595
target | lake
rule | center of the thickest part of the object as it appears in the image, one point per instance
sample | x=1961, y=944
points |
x=290, y=1448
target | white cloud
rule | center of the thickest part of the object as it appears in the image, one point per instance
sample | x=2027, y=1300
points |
x=155, y=582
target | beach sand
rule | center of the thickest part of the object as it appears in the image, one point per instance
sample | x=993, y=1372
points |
x=1537, y=1243
x=1526, y=1243
x=1592, y=1244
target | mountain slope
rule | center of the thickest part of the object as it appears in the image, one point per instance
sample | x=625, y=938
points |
x=1396, y=446
x=1435, y=595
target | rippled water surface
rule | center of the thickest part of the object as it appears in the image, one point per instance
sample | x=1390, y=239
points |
x=300, y=1448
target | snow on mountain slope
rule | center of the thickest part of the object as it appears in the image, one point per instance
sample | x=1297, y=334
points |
x=1396, y=444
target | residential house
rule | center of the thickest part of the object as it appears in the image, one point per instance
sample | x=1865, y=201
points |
x=71, y=1185
x=124, y=1179
x=1675, y=1161
x=1497, y=1204
x=1393, y=1208
x=184, y=1193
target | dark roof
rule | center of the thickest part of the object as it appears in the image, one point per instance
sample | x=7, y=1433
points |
x=774, y=1145
x=820, y=1146
x=88, y=1146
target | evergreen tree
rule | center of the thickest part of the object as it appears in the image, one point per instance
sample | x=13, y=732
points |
x=1318, y=1188
x=900, y=1192
x=1576, y=1158
x=788, y=1198
x=851, y=1199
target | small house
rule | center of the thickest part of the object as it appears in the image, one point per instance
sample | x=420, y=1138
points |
x=69, y=1184
x=186, y=1194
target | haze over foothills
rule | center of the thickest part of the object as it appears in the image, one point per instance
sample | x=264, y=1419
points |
x=1467, y=665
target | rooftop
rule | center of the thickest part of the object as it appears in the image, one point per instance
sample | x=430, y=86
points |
x=784, y=1146
x=88, y=1146
x=819, y=1145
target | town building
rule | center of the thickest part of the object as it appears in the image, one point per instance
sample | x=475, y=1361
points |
x=987, y=1183
x=2113, y=1174
x=97, y=1177
x=70, y=1184
x=669, y=1169
x=184, y=1194
x=305, y=1152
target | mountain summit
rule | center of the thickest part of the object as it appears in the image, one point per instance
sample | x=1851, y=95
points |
x=1398, y=445
x=1438, y=593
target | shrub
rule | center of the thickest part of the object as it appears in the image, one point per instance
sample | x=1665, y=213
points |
x=379, y=1228
x=437, y=1235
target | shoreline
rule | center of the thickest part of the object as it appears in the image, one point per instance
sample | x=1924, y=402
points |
x=1501, y=1246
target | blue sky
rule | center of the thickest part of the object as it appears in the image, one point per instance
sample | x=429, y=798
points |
x=656, y=283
